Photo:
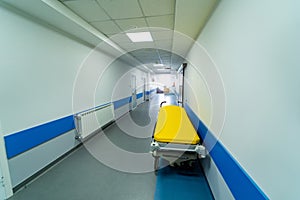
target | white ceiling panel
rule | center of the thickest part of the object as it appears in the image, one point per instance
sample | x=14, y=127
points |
x=162, y=35
x=128, y=47
x=121, y=9
x=158, y=7
x=163, y=52
x=141, y=45
x=114, y=17
x=120, y=38
x=88, y=10
x=107, y=27
x=165, y=57
x=181, y=49
x=44, y=14
x=130, y=24
x=145, y=29
x=166, y=21
x=192, y=15
x=164, y=44
x=158, y=29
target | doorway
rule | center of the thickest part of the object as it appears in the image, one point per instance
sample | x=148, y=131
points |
x=144, y=89
x=133, y=92
x=181, y=83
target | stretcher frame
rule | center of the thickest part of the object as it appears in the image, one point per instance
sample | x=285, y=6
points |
x=176, y=154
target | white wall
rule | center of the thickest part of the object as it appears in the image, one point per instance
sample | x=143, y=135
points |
x=39, y=73
x=44, y=76
x=122, y=85
x=196, y=91
x=165, y=80
x=256, y=45
x=36, y=73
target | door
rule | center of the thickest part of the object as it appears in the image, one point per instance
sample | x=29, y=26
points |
x=184, y=65
x=144, y=89
x=133, y=92
x=181, y=84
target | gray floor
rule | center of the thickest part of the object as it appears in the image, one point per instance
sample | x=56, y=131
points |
x=82, y=176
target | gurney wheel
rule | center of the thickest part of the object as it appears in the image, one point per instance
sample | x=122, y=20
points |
x=156, y=161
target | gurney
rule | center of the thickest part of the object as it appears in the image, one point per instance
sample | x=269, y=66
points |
x=175, y=139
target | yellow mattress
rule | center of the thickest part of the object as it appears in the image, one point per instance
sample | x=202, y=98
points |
x=174, y=126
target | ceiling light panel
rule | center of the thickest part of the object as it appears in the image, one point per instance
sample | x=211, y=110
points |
x=140, y=37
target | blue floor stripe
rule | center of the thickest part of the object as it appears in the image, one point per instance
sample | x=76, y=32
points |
x=174, y=183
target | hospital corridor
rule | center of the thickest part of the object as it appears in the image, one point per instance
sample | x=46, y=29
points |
x=149, y=99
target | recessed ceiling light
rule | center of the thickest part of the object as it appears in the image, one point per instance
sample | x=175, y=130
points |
x=158, y=65
x=140, y=37
x=162, y=69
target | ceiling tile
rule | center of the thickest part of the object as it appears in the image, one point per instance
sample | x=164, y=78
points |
x=130, y=24
x=142, y=45
x=107, y=27
x=88, y=10
x=162, y=35
x=164, y=53
x=166, y=21
x=181, y=44
x=127, y=46
x=164, y=44
x=158, y=29
x=145, y=29
x=120, y=9
x=120, y=38
x=158, y=7
x=192, y=15
x=165, y=57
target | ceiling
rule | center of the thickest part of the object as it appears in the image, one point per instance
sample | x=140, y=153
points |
x=173, y=24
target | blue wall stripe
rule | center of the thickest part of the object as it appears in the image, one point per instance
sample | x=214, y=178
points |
x=139, y=95
x=149, y=92
x=241, y=185
x=24, y=140
x=121, y=102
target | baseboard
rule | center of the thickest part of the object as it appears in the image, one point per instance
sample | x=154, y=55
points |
x=43, y=170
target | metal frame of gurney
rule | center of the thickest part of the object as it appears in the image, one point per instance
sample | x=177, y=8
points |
x=175, y=139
